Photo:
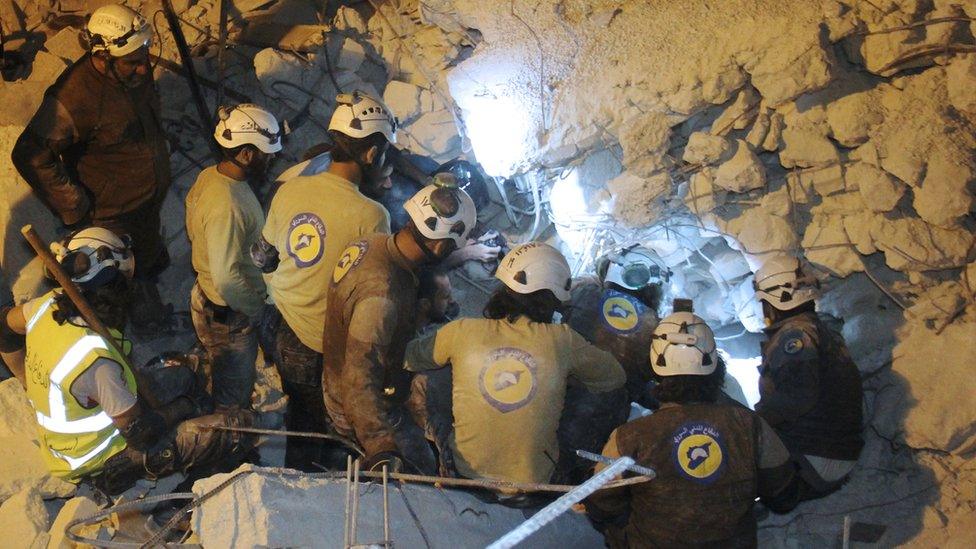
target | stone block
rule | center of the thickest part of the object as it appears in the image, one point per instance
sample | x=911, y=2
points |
x=879, y=190
x=803, y=148
x=16, y=410
x=436, y=134
x=944, y=196
x=403, y=99
x=703, y=196
x=65, y=45
x=960, y=79
x=351, y=56
x=23, y=517
x=704, y=148
x=742, y=172
x=75, y=508
x=910, y=244
x=852, y=117
x=826, y=244
x=23, y=467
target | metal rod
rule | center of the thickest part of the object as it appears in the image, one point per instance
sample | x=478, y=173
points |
x=301, y=434
x=565, y=502
x=386, y=506
x=191, y=74
x=221, y=54
x=345, y=522
x=639, y=469
x=355, y=503
x=847, y=532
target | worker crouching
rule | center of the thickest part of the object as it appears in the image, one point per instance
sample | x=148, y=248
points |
x=712, y=460
x=91, y=423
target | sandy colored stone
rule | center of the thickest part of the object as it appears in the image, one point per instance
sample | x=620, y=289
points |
x=879, y=190
x=23, y=518
x=740, y=114
x=703, y=196
x=23, y=467
x=75, y=508
x=803, y=148
x=16, y=410
x=742, y=172
x=826, y=244
x=403, y=99
x=637, y=200
x=910, y=244
x=858, y=228
x=945, y=195
x=778, y=202
x=704, y=148
x=960, y=75
x=755, y=231
x=852, y=117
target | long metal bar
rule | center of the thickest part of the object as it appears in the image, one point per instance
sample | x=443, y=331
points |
x=639, y=469
x=191, y=74
x=355, y=503
x=386, y=507
x=550, y=512
x=221, y=53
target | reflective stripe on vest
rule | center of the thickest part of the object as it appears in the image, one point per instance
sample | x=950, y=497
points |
x=77, y=462
x=58, y=421
x=39, y=313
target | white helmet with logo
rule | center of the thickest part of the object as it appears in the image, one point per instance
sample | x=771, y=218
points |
x=118, y=30
x=248, y=124
x=442, y=211
x=781, y=283
x=93, y=256
x=636, y=267
x=683, y=345
x=358, y=115
x=535, y=266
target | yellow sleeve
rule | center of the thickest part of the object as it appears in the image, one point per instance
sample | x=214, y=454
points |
x=227, y=249
x=596, y=369
x=432, y=351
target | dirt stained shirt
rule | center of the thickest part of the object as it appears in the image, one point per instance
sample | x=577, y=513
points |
x=372, y=308
x=509, y=387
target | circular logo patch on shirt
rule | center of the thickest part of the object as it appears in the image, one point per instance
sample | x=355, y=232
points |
x=349, y=259
x=306, y=239
x=698, y=451
x=507, y=380
x=621, y=312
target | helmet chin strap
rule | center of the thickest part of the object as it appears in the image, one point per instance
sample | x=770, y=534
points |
x=421, y=241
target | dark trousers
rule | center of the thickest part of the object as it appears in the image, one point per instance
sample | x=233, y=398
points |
x=232, y=347
x=300, y=369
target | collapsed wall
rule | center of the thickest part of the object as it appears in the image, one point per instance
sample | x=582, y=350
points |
x=712, y=132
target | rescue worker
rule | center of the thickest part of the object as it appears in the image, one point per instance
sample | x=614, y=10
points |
x=223, y=220
x=92, y=421
x=617, y=310
x=310, y=221
x=96, y=153
x=372, y=308
x=435, y=301
x=809, y=388
x=712, y=460
x=510, y=371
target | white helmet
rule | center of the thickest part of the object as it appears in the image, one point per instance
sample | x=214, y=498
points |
x=636, y=267
x=117, y=29
x=92, y=256
x=781, y=283
x=683, y=345
x=358, y=115
x=248, y=124
x=535, y=266
x=455, y=222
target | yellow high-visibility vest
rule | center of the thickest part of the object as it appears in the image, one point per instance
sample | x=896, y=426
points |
x=75, y=440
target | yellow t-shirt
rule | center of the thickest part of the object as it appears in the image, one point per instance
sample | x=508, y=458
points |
x=310, y=222
x=509, y=387
x=223, y=220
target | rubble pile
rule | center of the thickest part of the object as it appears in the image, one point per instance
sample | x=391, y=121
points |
x=714, y=133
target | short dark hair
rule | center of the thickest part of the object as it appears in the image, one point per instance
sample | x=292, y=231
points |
x=232, y=153
x=349, y=149
x=505, y=304
x=685, y=389
x=427, y=285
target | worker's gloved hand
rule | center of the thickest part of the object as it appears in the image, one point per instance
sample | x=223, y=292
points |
x=392, y=460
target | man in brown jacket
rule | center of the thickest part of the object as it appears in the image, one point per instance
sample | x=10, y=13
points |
x=372, y=305
x=95, y=151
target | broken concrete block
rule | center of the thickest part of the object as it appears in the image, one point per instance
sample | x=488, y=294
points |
x=23, y=517
x=754, y=232
x=298, y=38
x=825, y=243
x=846, y=203
x=23, y=467
x=280, y=73
x=646, y=136
x=351, y=56
x=46, y=68
x=704, y=148
x=774, y=135
x=879, y=190
x=718, y=86
x=273, y=510
x=16, y=410
x=960, y=76
x=942, y=413
x=858, y=229
x=703, y=196
x=740, y=114
x=778, y=202
x=638, y=200
x=75, y=508
x=944, y=196
x=65, y=45
x=728, y=266
x=760, y=128
x=852, y=117
x=783, y=73
x=803, y=148
x=436, y=134
x=403, y=99
x=825, y=180
x=348, y=19
x=741, y=173
x=910, y=244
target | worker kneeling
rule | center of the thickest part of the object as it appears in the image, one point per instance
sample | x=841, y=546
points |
x=712, y=460
x=91, y=423
x=510, y=372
